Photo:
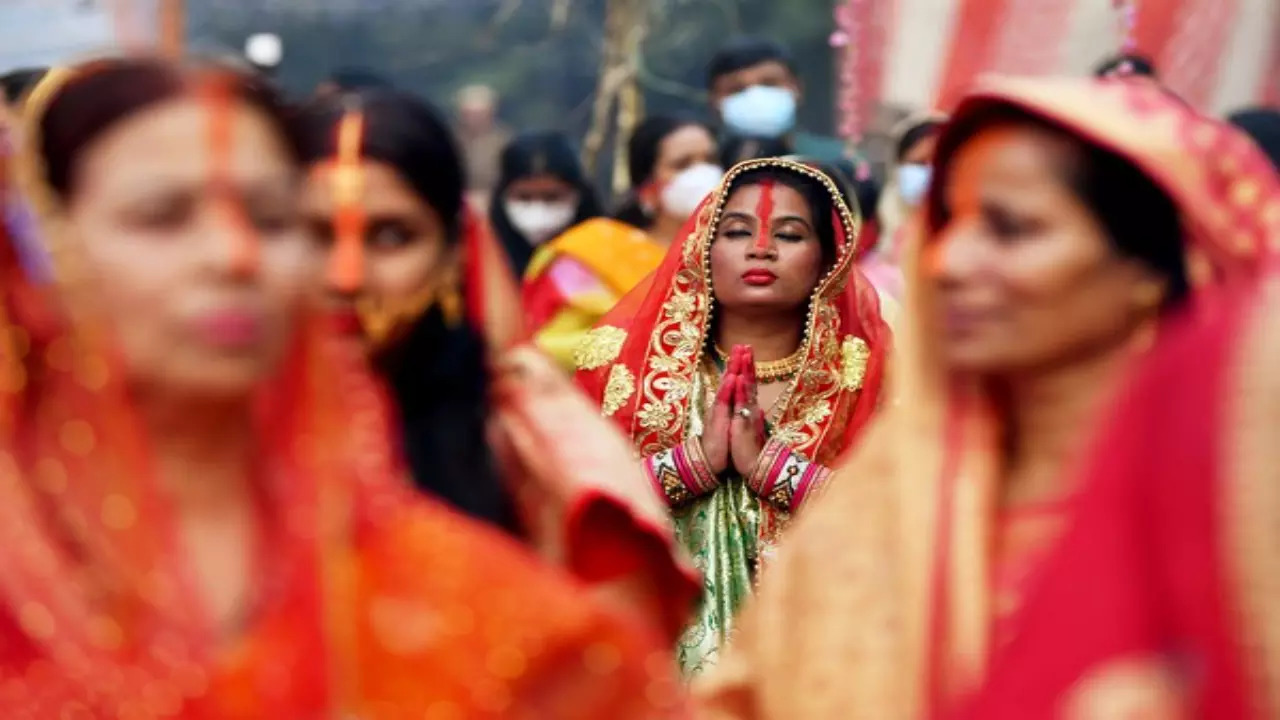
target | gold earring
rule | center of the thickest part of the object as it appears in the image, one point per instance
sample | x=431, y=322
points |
x=1148, y=295
x=451, y=304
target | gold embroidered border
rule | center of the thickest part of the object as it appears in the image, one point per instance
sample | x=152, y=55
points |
x=620, y=386
x=599, y=347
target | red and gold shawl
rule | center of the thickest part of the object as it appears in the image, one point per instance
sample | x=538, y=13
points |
x=640, y=360
x=873, y=610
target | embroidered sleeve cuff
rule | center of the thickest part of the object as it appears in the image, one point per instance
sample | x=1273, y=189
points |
x=783, y=477
x=681, y=472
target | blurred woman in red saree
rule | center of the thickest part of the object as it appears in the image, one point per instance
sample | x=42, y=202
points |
x=745, y=365
x=199, y=513
x=1163, y=601
x=1069, y=217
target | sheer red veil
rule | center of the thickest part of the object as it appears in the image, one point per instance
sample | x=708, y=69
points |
x=640, y=360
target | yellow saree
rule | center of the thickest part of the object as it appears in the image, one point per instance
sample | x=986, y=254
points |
x=578, y=277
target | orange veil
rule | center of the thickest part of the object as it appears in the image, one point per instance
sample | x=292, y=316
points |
x=881, y=600
x=91, y=584
x=640, y=361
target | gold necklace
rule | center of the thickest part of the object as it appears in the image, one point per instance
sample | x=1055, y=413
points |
x=772, y=370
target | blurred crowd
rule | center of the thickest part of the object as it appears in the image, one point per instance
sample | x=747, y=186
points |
x=349, y=406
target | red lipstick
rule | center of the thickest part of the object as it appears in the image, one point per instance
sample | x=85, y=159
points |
x=759, y=277
x=345, y=322
x=230, y=329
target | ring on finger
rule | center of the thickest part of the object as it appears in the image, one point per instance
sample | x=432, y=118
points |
x=744, y=413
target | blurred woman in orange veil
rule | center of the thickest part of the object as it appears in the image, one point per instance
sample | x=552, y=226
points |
x=1069, y=218
x=199, y=512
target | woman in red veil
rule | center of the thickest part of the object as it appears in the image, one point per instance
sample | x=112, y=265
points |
x=1070, y=220
x=199, y=513
x=740, y=398
x=1164, y=601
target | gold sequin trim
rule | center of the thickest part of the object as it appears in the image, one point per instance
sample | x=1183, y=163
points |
x=620, y=386
x=854, y=353
x=599, y=347
x=678, y=339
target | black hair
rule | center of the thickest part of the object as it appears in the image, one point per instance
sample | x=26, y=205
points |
x=537, y=153
x=1262, y=125
x=1141, y=220
x=403, y=132
x=437, y=372
x=864, y=186
x=744, y=52
x=643, y=152
x=355, y=79
x=105, y=92
x=17, y=83
x=861, y=192
x=1126, y=64
x=740, y=148
x=814, y=192
x=914, y=134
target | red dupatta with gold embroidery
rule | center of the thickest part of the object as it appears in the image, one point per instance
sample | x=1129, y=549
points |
x=640, y=360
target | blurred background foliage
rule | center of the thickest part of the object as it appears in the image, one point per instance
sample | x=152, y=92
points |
x=543, y=57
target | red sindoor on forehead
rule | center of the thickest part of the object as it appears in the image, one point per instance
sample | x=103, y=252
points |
x=216, y=90
x=764, y=213
x=346, y=267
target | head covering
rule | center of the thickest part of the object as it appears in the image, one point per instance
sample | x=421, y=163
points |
x=90, y=577
x=640, y=360
x=891, y=569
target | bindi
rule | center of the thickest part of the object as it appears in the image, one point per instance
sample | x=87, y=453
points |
x=244, y=248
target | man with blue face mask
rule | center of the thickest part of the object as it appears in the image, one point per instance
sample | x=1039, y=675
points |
x=755, y=94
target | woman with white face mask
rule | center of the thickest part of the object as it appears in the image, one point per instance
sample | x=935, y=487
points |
x=541, y=192
x=573, y=280
x=911, y=173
